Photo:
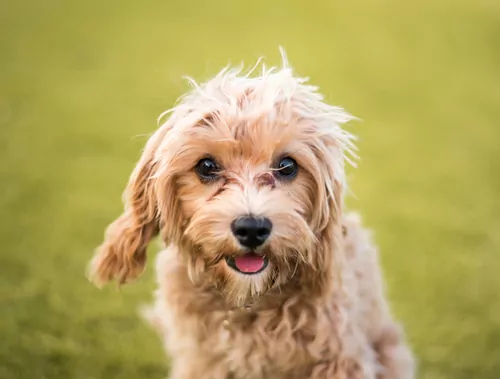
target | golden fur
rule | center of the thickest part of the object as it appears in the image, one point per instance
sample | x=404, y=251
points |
x=318, y=310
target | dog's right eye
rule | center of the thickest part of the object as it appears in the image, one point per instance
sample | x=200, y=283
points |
x=207, y=169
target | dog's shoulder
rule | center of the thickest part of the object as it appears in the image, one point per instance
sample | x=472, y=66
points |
x=356, y=238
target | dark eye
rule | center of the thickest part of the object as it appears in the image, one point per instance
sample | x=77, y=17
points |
x=287, y=168
x=207, y=169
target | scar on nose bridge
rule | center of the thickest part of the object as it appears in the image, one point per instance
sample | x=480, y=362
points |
x=266, y=179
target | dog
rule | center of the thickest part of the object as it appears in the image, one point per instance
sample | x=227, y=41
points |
x=263, y=275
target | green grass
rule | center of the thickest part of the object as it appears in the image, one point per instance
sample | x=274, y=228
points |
x=81, y=84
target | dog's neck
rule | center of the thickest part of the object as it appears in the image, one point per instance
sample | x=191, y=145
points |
x=269, y=305
x=274, y=297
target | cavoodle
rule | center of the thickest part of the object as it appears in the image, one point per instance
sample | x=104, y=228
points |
x=264, y=275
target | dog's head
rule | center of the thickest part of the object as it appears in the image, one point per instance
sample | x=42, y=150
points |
x=246, y=179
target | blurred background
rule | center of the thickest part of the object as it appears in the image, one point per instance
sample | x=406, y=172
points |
x=81, y=86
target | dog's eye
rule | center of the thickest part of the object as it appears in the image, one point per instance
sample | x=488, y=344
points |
x=207, y=169
x=287, y=168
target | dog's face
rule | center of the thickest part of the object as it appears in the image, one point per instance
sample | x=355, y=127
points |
x=247, y=190
x=246, y=178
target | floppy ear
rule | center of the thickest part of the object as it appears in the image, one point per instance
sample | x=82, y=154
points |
x=122, y=255
x=328, y=257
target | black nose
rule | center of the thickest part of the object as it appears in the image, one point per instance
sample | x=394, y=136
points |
x=251, y=232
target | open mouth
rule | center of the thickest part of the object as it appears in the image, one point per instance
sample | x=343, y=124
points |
x=248, y=264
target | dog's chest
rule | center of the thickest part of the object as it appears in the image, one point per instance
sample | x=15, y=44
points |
x=258, y=344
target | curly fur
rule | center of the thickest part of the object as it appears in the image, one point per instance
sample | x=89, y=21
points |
x=318, y=310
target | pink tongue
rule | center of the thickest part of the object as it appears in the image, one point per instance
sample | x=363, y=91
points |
x=249, y=263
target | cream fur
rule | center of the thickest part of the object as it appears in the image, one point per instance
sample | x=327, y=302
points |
x=318, y=310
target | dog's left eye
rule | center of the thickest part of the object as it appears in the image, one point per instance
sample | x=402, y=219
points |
x=287, y=168
x=207, y=169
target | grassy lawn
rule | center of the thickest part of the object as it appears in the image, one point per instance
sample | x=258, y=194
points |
x=81, y=85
